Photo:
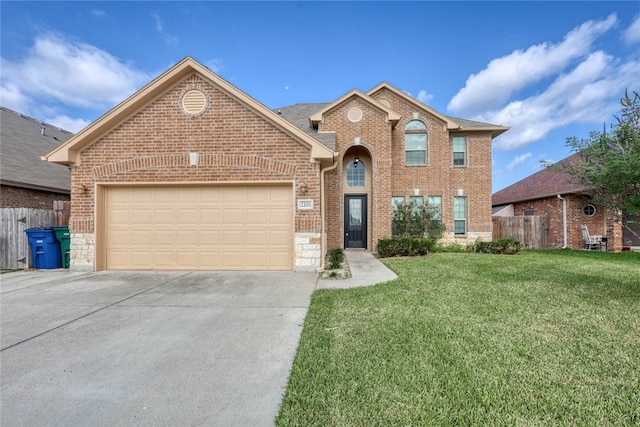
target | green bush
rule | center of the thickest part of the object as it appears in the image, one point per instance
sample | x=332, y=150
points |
x=507, y=246
x=336, y=258
x=406, y=246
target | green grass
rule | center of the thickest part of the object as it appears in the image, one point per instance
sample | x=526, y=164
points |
x=541, y=338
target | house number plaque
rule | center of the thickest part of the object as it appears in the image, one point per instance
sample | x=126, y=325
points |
x=305, y=204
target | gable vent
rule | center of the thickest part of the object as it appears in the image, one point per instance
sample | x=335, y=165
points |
x=354, y=115
x=194, y=102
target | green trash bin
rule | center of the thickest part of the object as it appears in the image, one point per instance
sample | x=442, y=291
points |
x=63, y=236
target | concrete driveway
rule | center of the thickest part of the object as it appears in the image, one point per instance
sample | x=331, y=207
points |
x=148, y=348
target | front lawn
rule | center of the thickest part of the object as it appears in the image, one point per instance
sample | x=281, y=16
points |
x=537, y=339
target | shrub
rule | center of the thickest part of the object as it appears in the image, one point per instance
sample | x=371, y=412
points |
x=406, y=246
x=415, y=220
x=507, y=246
x=336, y=258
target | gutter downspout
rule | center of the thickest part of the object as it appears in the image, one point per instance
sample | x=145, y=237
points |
x=564, y=220
x=323, y=235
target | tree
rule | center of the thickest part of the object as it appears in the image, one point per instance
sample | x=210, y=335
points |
x=609, y=166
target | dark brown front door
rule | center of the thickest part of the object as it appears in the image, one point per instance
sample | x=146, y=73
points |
x=355, y=221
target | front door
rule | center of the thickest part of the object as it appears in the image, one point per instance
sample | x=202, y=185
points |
x=355, y=221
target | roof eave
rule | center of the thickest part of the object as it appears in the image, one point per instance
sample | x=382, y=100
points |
x=69, y=152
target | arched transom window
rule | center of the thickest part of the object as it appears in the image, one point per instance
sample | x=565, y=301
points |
x=415, y=143
x=355, y=173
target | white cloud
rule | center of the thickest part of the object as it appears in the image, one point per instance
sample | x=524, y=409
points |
x=424, y=97
x=70, y=73
x=159, y=24
x=98, y=13
x=589, y=93
x=518, y=160
x=215, y=65
x=68, y=123
x=503, y=76
x=13, y=98
x=632, y=34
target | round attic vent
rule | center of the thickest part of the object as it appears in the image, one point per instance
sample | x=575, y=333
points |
x=385, y=102
x=194, y=102
x=354, y=114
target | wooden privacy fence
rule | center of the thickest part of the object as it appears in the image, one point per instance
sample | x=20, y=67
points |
x=532, y=231
x=14, y=246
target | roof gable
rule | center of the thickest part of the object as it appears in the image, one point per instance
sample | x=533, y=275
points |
x=24, y=141
x=545, y=183
x=69, y=153
x=452, y=123
x=318, y=116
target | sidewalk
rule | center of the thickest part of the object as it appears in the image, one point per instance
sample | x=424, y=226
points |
x=366, y=270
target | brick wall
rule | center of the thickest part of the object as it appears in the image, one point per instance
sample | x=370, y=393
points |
x=382, y=148
x=601, y=223
x=18, y=197
x=235, y=144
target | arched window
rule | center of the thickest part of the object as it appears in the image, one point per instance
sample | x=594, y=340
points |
x=415, y=143
x=355, y=173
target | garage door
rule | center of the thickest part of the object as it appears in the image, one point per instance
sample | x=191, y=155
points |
x=199, y=228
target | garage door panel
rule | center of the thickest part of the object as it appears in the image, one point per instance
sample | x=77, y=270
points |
x=234, y=216
x=141, y=237
x=280, y=237
x=199, y=227
x=188, y=216
x=210, y=216
x=164, y=216
x=164, y=237
x=281, y=217
x=233, y=195
x=233, y=237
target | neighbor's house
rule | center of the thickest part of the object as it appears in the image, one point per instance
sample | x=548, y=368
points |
x=568, y=206
x=25, y=180
x=192, y=173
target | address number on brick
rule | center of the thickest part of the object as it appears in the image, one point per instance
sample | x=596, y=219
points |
x=305, y=204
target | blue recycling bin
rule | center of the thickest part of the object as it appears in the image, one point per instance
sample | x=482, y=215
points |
x=45, y=248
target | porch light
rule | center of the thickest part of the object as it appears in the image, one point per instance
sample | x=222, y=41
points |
x=303, y=187
x=356, y=161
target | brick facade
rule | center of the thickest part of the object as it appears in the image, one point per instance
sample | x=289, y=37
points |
x=19, y=197
x=153, y=146
x=148, y=139
x=381, y=148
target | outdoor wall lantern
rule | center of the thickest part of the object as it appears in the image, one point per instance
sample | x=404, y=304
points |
x=356, y=161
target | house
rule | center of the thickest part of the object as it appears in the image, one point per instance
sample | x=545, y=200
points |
x=192, y=173
x=568, y=206
x=25, y=180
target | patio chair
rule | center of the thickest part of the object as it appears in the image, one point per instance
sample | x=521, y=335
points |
x=591, y=242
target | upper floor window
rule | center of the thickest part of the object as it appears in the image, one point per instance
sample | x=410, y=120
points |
x=459, y=150
x=355, y=173
x=415, y=143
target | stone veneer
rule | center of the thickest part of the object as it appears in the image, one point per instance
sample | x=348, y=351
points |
x=307, y=252
x=82, y=251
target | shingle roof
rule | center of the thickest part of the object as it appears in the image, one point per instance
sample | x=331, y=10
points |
x=544, y=183
x=298, y=115
x=22, y=145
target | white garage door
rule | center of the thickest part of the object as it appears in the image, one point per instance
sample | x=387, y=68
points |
x=199, y=228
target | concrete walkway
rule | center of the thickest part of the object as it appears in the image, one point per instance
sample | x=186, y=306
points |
x=366, y=270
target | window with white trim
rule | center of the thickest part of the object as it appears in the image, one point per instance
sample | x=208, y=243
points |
x=459, y=215
x=459, y=150
x=415, y=143
x=355, y=173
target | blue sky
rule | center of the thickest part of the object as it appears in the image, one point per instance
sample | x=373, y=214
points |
x=550, y=70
